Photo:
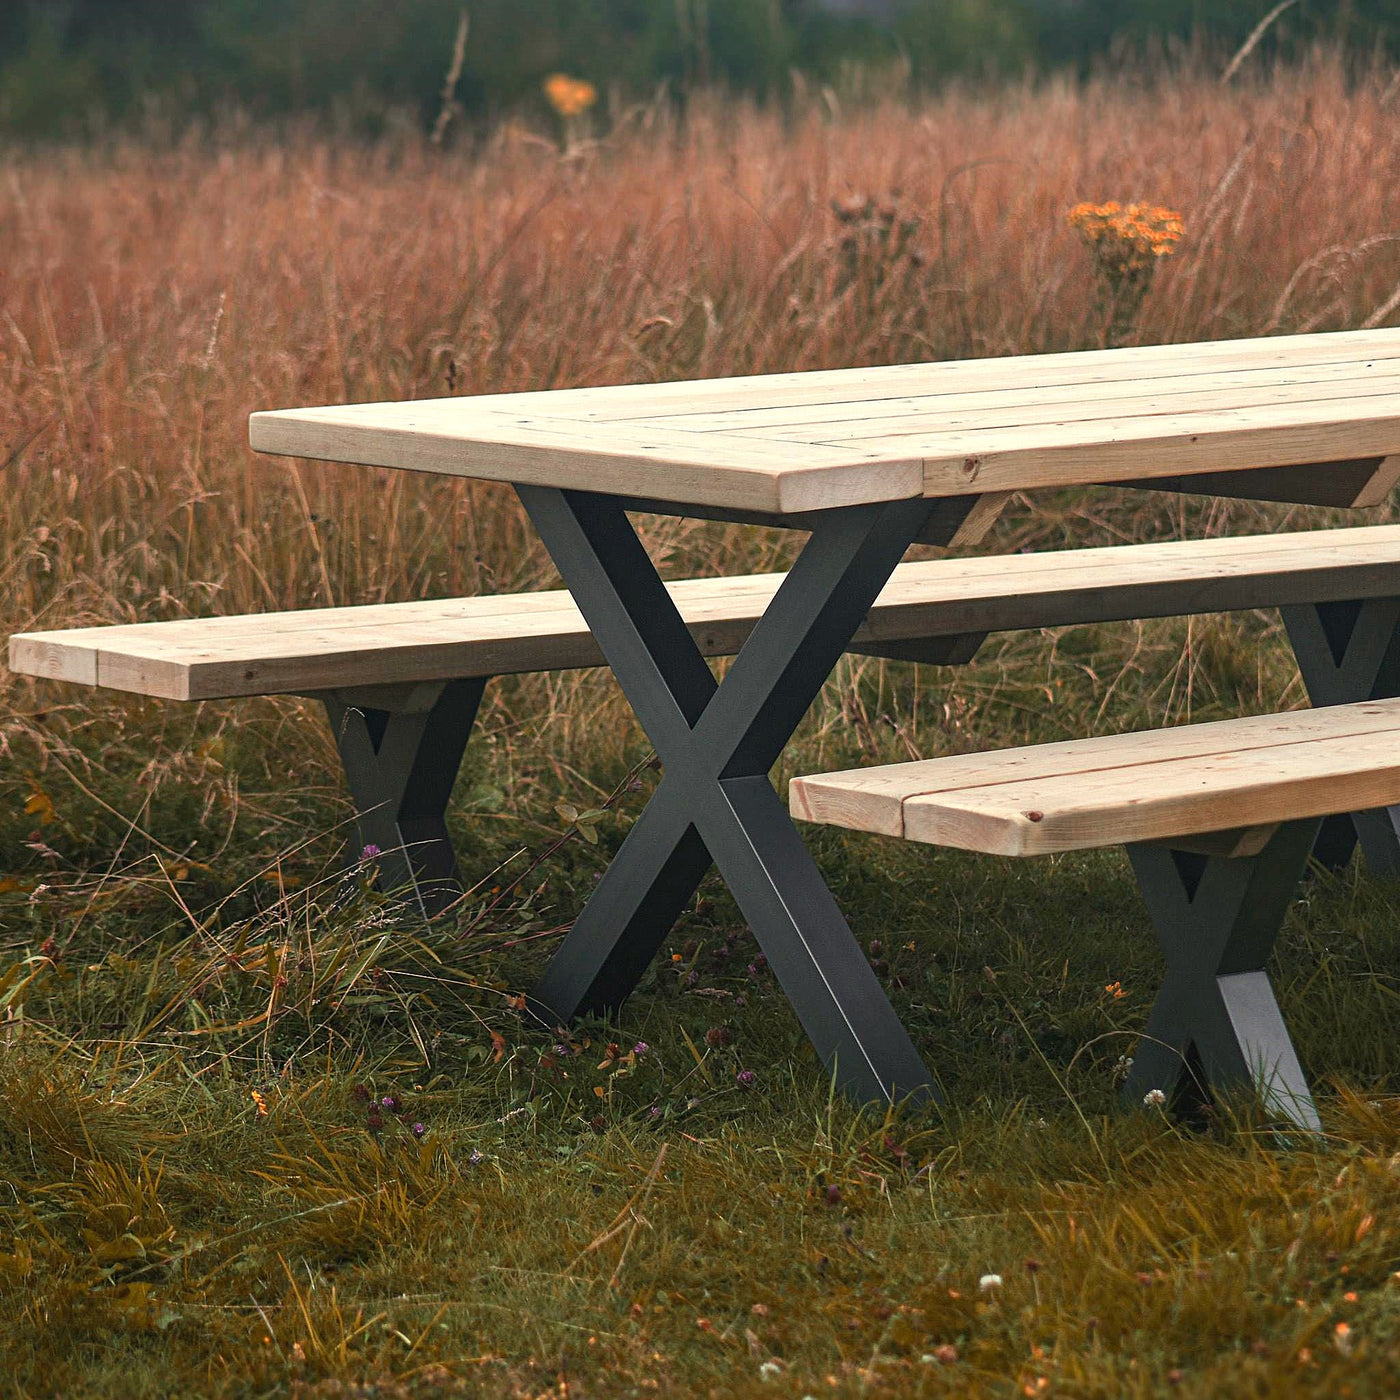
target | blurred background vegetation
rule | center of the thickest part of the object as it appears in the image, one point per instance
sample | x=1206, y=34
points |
x=76, y=68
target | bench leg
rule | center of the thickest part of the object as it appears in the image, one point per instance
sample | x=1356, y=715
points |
x=1215, y=1021
x=1349, y=651
x=402, y=747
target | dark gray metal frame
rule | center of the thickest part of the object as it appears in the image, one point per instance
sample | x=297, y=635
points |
x=1215, y=1022
x=1349, y=651
x=716, y=742
x=401, y=746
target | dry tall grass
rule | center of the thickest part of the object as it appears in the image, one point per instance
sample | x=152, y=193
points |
x=149, y=301
x=168, y=1230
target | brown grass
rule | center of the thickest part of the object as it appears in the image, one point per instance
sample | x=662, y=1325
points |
x=163, y=1235
x=152, y=299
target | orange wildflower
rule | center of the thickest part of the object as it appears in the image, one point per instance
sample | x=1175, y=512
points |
x=1127, y=239
x=570, y=97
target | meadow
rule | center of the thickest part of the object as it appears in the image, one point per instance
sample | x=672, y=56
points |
x=261, y=1133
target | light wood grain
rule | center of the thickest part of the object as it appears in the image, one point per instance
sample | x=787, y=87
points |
x=1115, y=790
x=876, y=794
x=684, y=399
x=835, y=421
x=797, y=443
x=450, y=437
x=1143, y=400
x=440, y=639
x=1113, y=450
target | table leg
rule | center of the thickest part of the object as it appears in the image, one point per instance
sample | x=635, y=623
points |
x=716, y=743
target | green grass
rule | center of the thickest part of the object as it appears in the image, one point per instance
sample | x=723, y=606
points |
x=201, y=1195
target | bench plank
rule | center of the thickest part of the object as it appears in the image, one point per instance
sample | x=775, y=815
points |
x=441, y=639
x=1125, y=788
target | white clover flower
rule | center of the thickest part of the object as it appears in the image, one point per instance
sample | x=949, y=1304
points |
x=770, y=1368
x=1154, y=1098
x=988, y=1282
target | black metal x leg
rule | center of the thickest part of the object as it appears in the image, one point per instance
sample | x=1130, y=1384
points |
x=1349, y=651
x=402, y=747
x=715, y=802
x=1215, y=1021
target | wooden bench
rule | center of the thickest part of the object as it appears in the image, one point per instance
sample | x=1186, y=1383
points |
x=402, y=681
x=1218, y=820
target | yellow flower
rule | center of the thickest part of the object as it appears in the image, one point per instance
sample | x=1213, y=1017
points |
x=570, y=97
x=1126, y=240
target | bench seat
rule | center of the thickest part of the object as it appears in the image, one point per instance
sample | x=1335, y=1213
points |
x=319, y=649
x=1219, y=821
x=1124, y=788
x=402, y=682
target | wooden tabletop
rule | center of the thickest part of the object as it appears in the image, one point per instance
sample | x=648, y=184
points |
x=791, y=443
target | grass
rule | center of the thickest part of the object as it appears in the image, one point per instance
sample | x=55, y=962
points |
x=201, y=1017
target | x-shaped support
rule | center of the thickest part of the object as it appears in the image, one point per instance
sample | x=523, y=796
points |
x=1215, y=1022
x=1349, y=651
x=715, y=803
x=401, y=747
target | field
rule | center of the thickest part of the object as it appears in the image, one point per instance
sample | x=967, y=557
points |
x=262, y=1134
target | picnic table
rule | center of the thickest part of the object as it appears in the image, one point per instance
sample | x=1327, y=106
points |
x=870, y=461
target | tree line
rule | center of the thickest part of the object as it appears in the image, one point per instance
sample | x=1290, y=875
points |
x=73, y=67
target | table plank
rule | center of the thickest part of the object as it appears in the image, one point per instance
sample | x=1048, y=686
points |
x=847, y=417
x=788, y=444
x=452, y=438
x=1121, y=449
x=805, y=388
x=1141, y=399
